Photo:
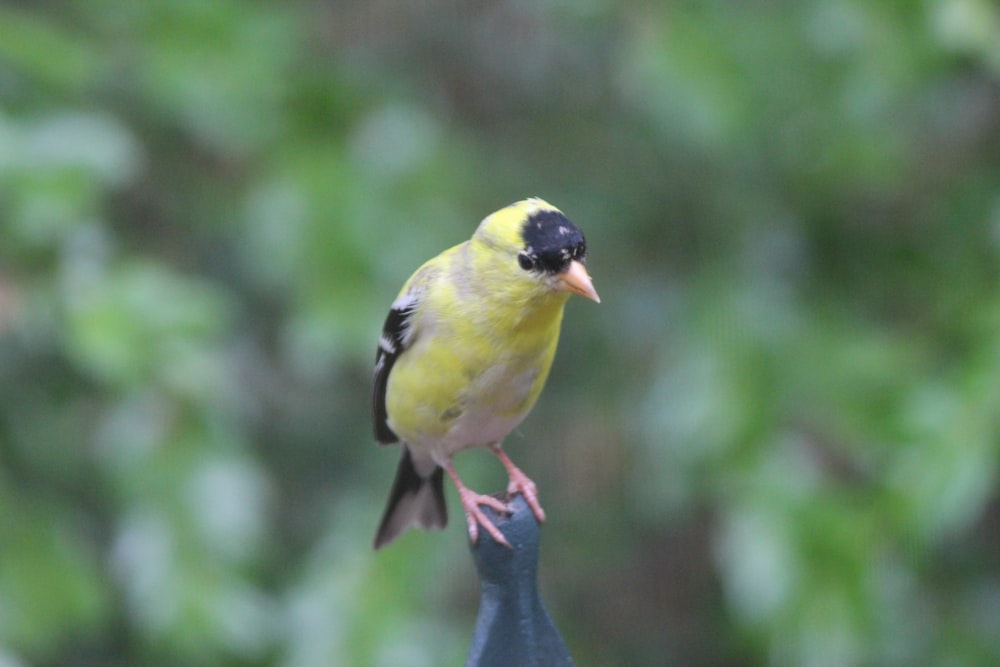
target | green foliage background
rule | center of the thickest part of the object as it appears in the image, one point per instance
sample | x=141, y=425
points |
x=775, y=442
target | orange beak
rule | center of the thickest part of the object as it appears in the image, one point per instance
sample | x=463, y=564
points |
x=575, y=279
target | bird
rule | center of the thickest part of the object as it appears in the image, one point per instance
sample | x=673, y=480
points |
x=464, y=354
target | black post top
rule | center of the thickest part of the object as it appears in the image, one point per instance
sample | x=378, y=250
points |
x=513, y=626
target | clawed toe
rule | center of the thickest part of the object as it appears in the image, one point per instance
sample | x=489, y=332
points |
x=476, y=517
x=521, y=483
x=527, y=488
x=471, y=502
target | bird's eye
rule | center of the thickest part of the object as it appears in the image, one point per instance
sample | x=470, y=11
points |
x=525, y=260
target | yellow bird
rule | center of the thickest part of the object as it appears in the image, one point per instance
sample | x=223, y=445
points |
x=464, y=354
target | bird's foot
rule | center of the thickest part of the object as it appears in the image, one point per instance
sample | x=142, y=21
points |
x=520, y=483
x=475, y=516
x=471, y=502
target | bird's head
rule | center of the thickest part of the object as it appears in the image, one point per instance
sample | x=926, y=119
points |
x=541, y=244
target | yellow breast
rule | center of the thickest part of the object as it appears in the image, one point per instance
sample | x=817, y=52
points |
x=483, y=343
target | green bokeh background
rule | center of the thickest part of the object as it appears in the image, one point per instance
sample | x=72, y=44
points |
x=776, y=441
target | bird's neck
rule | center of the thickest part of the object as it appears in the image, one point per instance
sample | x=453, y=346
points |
x=495, y=292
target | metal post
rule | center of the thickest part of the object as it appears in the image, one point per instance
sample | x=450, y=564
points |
x=513, y=628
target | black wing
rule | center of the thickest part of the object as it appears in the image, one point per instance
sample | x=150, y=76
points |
x=392, y=343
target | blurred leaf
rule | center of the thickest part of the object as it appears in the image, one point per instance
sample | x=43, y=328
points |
x=49, y=53
x=50, y=583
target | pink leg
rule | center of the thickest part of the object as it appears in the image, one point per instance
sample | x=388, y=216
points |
x=475, y=516
x=520, y=483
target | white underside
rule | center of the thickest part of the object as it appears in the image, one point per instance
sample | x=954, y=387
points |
x=475, y=428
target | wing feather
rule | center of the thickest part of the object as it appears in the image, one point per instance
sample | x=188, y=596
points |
x=392, y=343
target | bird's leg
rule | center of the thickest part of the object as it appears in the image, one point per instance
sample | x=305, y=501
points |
x=520, y=483
x=473, y=515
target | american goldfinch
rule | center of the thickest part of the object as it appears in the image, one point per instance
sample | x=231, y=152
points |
x=464, y=354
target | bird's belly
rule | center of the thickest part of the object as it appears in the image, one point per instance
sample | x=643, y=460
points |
x=475, y=428
x=484, y=411
x=488, y=410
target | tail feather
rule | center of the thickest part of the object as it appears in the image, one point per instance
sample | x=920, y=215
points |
x=413, y=501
